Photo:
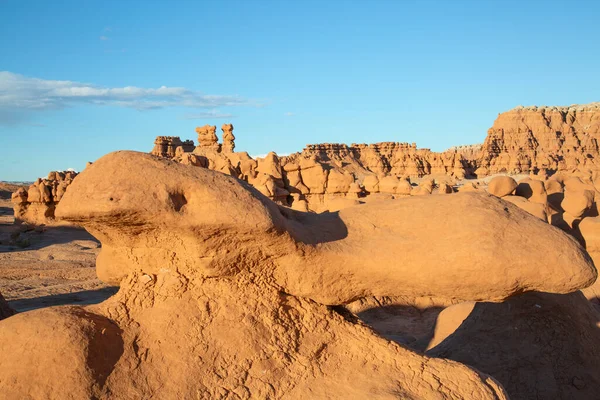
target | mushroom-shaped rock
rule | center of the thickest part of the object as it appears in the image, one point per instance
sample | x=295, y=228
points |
x=502, y=186
x=187, y=218
x=238, y=295
x=577, y=203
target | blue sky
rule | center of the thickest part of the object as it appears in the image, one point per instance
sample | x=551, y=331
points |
x=83, y=78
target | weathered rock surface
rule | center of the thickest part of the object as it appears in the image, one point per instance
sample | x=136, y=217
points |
x=210, y=210
x=532, y=190
x=502, y=186
x=36, y=204
x=527, y=139
x=166, y=146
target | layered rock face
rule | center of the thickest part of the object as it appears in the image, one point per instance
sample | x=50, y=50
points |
x=327, y=176
x=166, y=146
x=527, y=139
x=36, y=204
x=225, y=294
x=391, y=158
x=470, y=152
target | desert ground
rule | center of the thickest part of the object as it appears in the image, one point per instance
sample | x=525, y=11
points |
x=47, y=266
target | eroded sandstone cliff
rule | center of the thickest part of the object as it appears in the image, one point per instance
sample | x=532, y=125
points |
x=527, y=139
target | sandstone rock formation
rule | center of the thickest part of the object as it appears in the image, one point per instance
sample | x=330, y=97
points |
x=326, y=176
x=207, y=137
x=36, y=204
x=166, y=146
x=470, y=152
x=207, y=323
x=532, y=190
x=228, y=138
x=361, y=251
x=502, y=186
x=226, y=294
x=528, y=139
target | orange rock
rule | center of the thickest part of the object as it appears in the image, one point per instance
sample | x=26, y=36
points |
x=577, y=203
x=532, y=190
x=528, y=138
x=535, y=209
x=502, y=186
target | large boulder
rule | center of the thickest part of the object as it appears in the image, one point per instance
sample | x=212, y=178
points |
x=502, y=186
x=183, y=216
x=577, y=203
x=532, y=190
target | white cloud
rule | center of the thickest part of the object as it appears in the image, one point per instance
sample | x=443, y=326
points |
x=208, y=114
x=19, y=94
x=103, y=37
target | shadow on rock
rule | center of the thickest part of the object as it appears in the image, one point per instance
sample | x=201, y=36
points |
x=85, y=297
x=537, y=345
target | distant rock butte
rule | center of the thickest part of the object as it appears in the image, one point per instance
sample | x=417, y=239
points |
x=527, y=139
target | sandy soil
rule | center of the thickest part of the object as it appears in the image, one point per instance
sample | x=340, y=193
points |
x=47, y=266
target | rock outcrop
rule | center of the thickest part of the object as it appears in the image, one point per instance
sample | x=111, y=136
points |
x=166, y=146
x=502, y=186
x=325, y=176
x=36, y=204
x=470, y=152
x=196, y=208
x=529, y=139
x=228, y=138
